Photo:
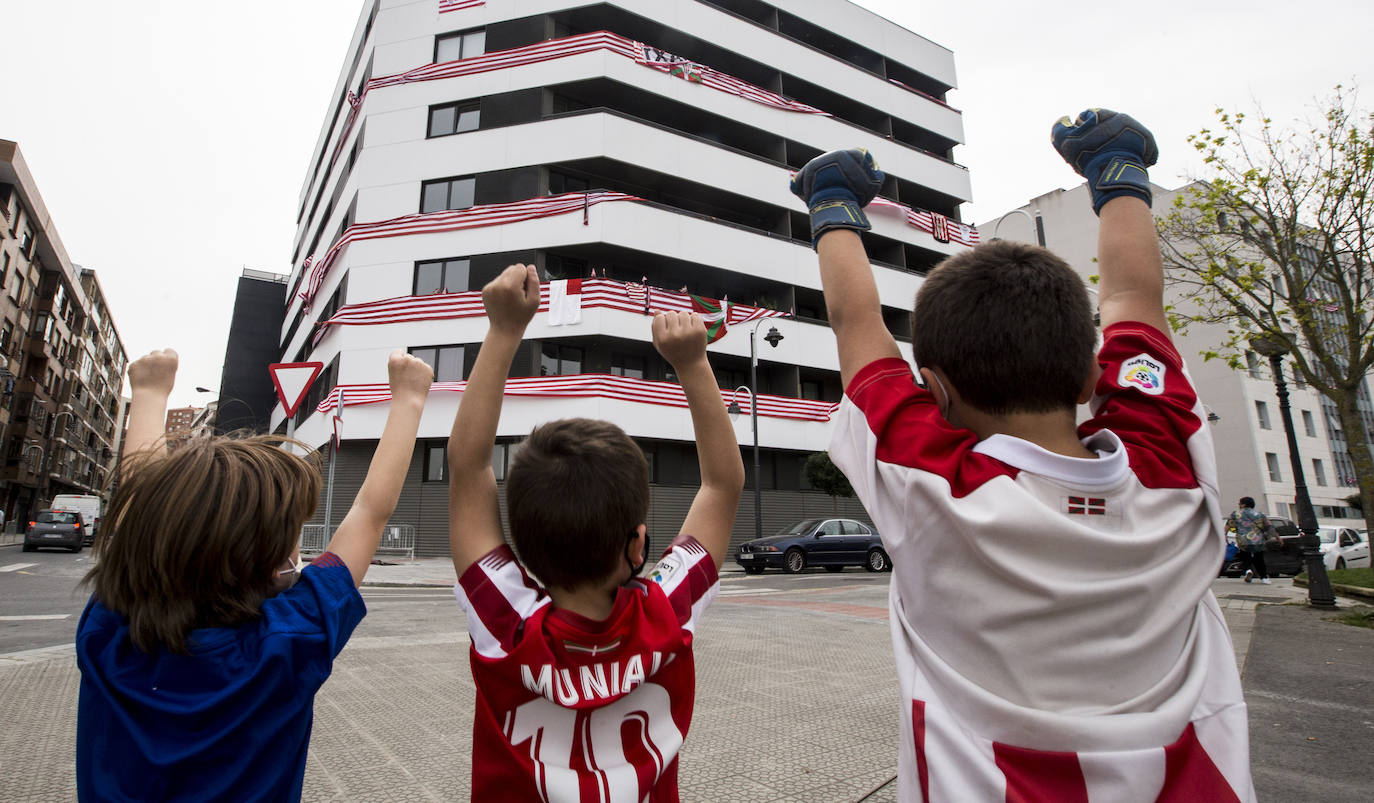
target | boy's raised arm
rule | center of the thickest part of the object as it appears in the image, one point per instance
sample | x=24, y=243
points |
x=355, y=542
x=681, y=338
x=1113, y=151
x=511, y=300
x=836, y=186
x=150, y=383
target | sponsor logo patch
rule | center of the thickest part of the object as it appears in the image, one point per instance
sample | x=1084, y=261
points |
x=1143, y=373
x=665, y=569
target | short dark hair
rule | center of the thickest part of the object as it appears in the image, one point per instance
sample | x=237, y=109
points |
x=575, y=492
x=1247, y=501
x=194, y=538
x=1010, y=324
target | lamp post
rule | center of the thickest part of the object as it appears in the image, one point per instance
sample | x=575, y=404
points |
x=1037, y=221
x=774, y=337
x=1319, y=591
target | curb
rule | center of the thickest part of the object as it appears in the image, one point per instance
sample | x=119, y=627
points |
x=1361, y=594
x=370, y=584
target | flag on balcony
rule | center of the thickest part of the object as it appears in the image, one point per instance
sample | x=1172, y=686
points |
x=715, y=314
x=446, y=6
x=565, y=302
x=638, y=292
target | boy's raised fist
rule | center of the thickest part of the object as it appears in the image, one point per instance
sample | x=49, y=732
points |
x=155, y=371
x=408, y=375
x=512, y=298
x=680, y=337
x=1111, y=150
x=836, y=186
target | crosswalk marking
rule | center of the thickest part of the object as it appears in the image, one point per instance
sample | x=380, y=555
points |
x=35, y=617
x=16, y=566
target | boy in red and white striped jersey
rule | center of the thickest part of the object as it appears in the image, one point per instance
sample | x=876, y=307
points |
x=1054, y=631
x=585, y=685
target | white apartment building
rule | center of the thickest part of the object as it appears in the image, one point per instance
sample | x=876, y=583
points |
x=1252, y=449
x=643, y=148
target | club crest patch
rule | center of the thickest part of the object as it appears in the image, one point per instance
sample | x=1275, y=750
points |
x=1143, y=373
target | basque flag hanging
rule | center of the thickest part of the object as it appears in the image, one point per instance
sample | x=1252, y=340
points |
x=715, y=314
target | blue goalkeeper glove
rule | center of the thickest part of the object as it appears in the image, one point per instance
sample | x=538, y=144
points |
x=836, y=186
x=1111, y=150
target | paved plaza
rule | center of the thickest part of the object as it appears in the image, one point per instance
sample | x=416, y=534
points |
x=796, y=701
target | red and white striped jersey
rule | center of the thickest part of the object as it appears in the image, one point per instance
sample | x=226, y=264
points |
x=1054, y=630
x=571, y=710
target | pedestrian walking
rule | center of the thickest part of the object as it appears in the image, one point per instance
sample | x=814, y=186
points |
x=1251, y=529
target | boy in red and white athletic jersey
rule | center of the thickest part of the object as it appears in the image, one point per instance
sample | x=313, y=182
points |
x=585, y=685
x=1054, y=631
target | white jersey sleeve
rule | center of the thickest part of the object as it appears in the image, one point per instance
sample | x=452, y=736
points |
x=497, y=596
x=688, y=577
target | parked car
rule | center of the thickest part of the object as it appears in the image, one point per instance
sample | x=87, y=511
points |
x=832, y=543
x=1286, y=559
x=1344, y=547
x=55, y=528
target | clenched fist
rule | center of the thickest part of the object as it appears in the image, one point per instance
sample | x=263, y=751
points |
x=409, y=376
x=512, y=298
x=680, y=337
x=154, y=372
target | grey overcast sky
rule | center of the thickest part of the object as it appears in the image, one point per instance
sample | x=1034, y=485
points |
x=169, y=138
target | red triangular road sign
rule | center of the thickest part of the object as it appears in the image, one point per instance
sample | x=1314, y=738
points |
x=292, y=380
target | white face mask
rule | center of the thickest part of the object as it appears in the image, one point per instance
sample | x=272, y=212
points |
x=288, y=577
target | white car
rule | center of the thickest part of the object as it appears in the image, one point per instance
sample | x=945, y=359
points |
x=1344, y=547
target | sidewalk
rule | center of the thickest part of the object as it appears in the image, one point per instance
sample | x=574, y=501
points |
x=797, y=699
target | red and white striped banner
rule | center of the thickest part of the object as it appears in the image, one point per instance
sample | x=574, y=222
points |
x=606, y=386
x=596, y=293
x=456, y=220
x=446, y=6
x=939, y=226
x=587, y=43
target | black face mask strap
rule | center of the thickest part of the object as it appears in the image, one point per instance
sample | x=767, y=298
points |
x=629, y=539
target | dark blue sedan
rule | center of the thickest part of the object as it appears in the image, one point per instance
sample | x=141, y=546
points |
x=832, y=543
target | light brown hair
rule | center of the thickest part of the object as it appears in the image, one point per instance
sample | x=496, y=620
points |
x=576, y=491
x=195, y=538
x=1010, y=324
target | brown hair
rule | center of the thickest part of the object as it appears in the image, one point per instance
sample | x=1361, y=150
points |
x=1010, y=324
x=575, y=492
x=194, y=538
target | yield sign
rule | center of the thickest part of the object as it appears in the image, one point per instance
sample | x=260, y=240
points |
x=292, y=380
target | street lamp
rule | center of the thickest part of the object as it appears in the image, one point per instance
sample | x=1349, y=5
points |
x=1037, y=221
x=1319, y=591
x=773, y=338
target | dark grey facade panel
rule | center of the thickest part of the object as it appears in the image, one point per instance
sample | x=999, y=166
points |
x=246, y=393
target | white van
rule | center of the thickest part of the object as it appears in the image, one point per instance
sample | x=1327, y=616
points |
x=88, y=505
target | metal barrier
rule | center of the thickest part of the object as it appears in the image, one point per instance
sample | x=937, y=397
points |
x=313, y=539
x=397, y=539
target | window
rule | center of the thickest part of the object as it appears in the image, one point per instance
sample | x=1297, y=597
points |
x=6, y=333
x=1319, y=471
x=454, y=118
x=1221, y=221
x=627, y=365
x=811, y=389
x=1262, y=413
x=460, y=45
x=442, y=276
x=556, y=359
x=5, y=268
x=436, y=461
x=1252, y=364
x=1273, y=461
x=1308, y=424
x=727, y=379
x=447, y=193
x=854, y=528
x=501, y=455
x=831, y=527
x=447, y=361
x=560, y=183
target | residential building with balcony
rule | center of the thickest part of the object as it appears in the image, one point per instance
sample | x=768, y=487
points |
x=61, y=358
x=640, y=149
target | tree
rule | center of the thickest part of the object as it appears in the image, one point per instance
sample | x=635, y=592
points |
x=825, y=476
x=1276, y=242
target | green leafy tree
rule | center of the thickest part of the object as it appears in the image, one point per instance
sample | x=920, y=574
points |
x=1275, y=241
x=825, y=476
